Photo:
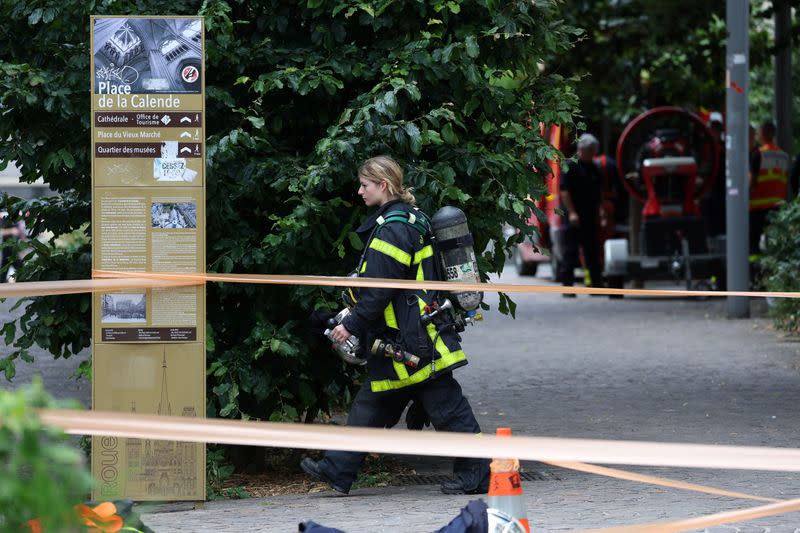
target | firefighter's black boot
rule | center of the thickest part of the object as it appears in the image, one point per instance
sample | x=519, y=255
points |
x=470, y=476
x=312, y=468
x=457, y=486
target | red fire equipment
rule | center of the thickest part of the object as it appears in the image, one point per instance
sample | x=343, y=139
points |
x=668, y=158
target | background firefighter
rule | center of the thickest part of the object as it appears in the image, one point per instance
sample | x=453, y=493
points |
x=581, y=197
x=396, y=246
x=769, y=182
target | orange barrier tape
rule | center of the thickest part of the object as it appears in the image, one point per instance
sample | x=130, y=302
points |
x=115, y=281
x=343, y=281
x=654, y=480
x=558, y=452
x=700, y=522
x=321, y=437
x=593, y=469
x=50, y=288
x=548, y=450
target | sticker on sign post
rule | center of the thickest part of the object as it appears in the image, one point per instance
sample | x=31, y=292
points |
x=170, y=167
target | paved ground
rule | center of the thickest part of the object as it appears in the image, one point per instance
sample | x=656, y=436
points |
x=642, y=369
x=57, y=374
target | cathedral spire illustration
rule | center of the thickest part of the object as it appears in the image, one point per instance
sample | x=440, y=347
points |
x=164, y=408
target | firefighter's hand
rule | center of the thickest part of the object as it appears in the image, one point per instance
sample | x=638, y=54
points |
x=417, y=417
x=318, y=321
x=340, y=333
x=574, y=219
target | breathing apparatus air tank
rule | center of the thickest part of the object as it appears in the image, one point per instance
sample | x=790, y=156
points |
x=456, y=255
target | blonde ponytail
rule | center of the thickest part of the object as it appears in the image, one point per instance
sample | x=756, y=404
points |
x=407, y=196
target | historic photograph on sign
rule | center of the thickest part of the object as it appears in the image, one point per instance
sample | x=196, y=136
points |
x=123, y=308
x=182, y=215
x=138, y=55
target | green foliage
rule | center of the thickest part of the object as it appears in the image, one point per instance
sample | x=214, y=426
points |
x=217, y=471
x=298, y=95
x=447, y=92
x=781, y=263
x=41, y=474
x=376, y=479
x=379, y=471
x=630, y=59
x=761, y=95
x=59, y=324
x=44, y=122
x=641, y=54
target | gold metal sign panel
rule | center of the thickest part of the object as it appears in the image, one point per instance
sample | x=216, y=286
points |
x=148, y=214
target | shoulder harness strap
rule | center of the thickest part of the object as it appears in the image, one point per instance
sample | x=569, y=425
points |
x=416, y=219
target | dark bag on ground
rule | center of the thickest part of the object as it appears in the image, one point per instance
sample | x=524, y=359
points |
x=471, y=519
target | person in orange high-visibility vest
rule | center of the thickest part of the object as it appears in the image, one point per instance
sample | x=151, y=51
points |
x=769, y=182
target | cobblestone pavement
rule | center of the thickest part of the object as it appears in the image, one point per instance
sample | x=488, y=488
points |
x=640, y=369
x=577, y=501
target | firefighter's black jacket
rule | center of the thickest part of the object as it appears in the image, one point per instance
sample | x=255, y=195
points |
x=397, y=249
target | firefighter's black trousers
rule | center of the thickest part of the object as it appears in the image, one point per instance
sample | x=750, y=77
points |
x=447, y=408
x=584, y=237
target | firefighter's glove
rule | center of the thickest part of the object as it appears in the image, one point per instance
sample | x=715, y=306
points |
x=318, y=321
x=416, y=417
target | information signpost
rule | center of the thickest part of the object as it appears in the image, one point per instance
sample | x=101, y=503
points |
x=148, y=214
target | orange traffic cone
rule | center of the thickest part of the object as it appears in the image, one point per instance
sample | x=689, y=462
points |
x=505, y=487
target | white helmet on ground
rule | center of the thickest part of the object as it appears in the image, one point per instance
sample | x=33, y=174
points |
x=500, y=522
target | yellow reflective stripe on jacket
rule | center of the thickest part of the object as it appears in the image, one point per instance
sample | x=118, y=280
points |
x=363, y=268
x=423, y=254
x=770, y=188
x=389, y=316
x=771, y=176
x=400, y=370
x=761, y=202
x=446, y=354
x=391, y=321
x=418, y=258
x=446, y=360
x=417, y=377
x=391, y=250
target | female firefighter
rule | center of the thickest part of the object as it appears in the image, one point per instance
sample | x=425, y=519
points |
x=398, y=245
